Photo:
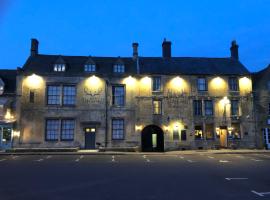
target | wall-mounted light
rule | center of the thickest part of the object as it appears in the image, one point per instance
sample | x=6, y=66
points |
x=146, y=81
x=138, y=127
x=34, y=81
x=16, y=134
x=8, y=115
x=130, y=81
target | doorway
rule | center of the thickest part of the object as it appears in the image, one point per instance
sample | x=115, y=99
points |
x=223, y=138
x=90, y=138
x=152, y=139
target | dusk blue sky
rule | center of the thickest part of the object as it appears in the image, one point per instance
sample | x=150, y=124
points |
x=108, y=28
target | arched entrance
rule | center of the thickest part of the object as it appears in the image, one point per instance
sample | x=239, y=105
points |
x=152, y=138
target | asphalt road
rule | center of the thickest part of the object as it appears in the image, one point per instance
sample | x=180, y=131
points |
x=150, y=177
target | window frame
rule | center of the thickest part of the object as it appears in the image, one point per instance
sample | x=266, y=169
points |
x=233, y=83
x=154, y=84
x=61, y=130
x=201, y=129
x=119, y=68
x=123, y=129
x=204, y=85
x=197, y=112
x=207, y=108
x=113, y=95
x=90, y=68
x=159, y=108
x=61, y=96
x=232, y=107
x=59, y=67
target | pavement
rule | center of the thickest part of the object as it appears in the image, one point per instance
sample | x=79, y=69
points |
x=167, y=176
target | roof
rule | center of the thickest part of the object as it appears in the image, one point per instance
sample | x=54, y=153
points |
x=9, y=78
x=43, y=64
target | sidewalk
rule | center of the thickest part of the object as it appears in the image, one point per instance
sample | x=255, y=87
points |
x=169, y=153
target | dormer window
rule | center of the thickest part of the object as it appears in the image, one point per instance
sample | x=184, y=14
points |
x=59, y=67
x=119, y=68
x=90, y=68
x=2, y=86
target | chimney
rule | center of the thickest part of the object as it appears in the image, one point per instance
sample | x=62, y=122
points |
x=166, y=49
x=34, y=47
x=234, y=50
x=135, y=50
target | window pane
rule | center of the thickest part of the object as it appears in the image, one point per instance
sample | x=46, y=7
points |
x=208, y=104
x=201, y=84
x=233, y=84
x=197, y=106
x=119, y=68
x=52, y=129
x=67, y=129
x=198, y=132
x=69, y=95
x=117, y=129
x=209, y=131
x=234, y=108
x=156, y=84
x=118, y=95
x=157, y=107
x=53, y=95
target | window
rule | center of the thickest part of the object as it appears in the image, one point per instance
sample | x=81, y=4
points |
x=117, y=129
x=198, y=132
x=157, y=107
x=268, y=85
x=234, y=108
x=118, y=94
x=209, y=131
x=197, y=106
x=67, y=129
x=175, y=134
x=53, y=95
x=269, y=109
x=233, y=84
x=202, y=84
x=32, y=96
x=208, y=107
x=234, y=133
x=66, y=93
x=69, y=95
x=52, y=129
x=119, y=68
x=59, y=67
x=156, y=84
x=56, y=126
x=183, y=135
x=90, y=68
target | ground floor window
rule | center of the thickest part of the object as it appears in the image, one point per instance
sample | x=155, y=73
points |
x=118, y=129
x=57, y=127
x=209, y=131
x=235, y=133
x=198, y=132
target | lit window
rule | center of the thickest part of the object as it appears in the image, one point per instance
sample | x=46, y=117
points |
x=1, y=90
x=235, y=133
x=156, y=86
x=118, y=129
x=119, y=68
x=202, y=84
x=209, y=131
x=118, y=94
x=198, y=132
x=59, y=67
x=234, y=108
x=197, y=107
x=157, y=107
x=90, y=68
x=233, y=84
x=208, y=107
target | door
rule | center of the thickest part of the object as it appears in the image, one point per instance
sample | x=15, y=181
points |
x=90, y=138
x=152, y=138
x=223, y=138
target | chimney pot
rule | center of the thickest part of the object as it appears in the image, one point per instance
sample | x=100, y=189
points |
x=166, y=49
x=135, y=46
x=34, y=47
x=234, y=50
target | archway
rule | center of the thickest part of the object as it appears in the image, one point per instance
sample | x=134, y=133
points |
x=152, y=138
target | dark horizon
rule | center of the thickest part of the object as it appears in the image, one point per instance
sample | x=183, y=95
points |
x=108, y=29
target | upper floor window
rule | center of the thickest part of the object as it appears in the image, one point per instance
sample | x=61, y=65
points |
x=202, y=84
x=234, y=108
x=208, y=107
x=119, y=68
x=269, y=109
x=118, y=129
x=156, y=84
x=233, y=84
x=157, y=107
x=197, y=107
x=2, y=86
x=59, y=67
x=90, y=68
x=118, y=94
x=58, y=94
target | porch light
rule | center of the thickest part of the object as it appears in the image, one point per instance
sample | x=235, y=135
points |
x=138, y=127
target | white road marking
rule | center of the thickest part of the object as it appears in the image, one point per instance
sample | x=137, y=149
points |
x=147, y=160
x=77, y=160
x=239, y=156
x=14, y=157
x=268, y=156
x=191, y=161
x=223, y=161
x=144, y=156
x=181, y=157
x=2, y=160
x=211, y=157
x=81, y=157
x=39, y=160
x=255, y=160
x=113, y=159
x=48, y=157
x=229, y=179
x=261, y=194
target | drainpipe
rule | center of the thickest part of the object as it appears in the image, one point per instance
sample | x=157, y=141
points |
x=106, y=113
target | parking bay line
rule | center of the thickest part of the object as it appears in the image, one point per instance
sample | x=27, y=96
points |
x=255, y=160
x=2, y=160
x=261, y=194
x=39, y=160
x=229, y=179
x=224, y=161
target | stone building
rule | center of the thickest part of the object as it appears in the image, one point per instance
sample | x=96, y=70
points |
x=261, y=88
x=7, y=108
x=143, y=103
